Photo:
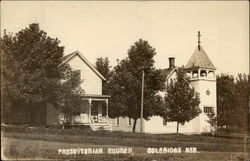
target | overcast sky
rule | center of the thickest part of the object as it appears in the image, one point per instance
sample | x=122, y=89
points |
x=108, y=29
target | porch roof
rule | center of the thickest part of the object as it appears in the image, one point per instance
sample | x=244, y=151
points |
x=96, y=96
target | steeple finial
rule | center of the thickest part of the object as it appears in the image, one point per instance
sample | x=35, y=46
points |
x=199, y=41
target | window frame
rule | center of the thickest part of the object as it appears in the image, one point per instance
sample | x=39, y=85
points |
x=129, y=121
x=164, y=123
x=117, y=121
x=208, y=109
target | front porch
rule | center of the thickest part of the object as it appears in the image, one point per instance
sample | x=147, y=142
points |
x=95, y=113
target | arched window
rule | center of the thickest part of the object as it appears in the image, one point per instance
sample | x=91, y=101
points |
x=211, y=74
x=195, y=74
x=203, y=73
x=189, y=74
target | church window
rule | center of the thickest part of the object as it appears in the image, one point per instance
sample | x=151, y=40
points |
x=208, y=92
x=211, y=74
x=164, y=121
x=129, y=121
x=208, y=110
x=117, y=121
x=203, y=73
x=195, y=74
x=189, y=74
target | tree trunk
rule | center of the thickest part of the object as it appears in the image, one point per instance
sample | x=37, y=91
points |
x=64, y=122
x=134, y=125
x=177, y=128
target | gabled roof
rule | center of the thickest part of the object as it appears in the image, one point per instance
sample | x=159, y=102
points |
x=68, y=56
x=77, y=53
x=168, y=72
x=200, y=59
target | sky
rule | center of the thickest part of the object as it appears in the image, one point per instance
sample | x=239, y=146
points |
x=108, y=29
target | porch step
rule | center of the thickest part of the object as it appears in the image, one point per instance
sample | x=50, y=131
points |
x=101, y=127
x=100, y=124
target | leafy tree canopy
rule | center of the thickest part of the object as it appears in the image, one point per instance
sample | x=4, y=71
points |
x=32, y=69
x=126, y=81
x=225, y=98
x=102, y=65
x=233, y=101
x=30, y=65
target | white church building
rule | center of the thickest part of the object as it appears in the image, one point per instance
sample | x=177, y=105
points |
x=201, y=71
x=95, y=109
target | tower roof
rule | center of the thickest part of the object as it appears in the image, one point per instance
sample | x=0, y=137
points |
x=200, y=59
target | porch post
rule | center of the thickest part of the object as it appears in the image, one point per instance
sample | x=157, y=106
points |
x=199, y=72
x=90, y=102
x=107, y=105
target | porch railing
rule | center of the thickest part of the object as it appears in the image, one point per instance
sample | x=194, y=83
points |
x=100, y=119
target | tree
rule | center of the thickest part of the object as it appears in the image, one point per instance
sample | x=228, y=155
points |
x=31, y=70
x=232, y=102
x=242, y=93
x=181, y=100
x=212, y=120
x=102, y=65
x=125, y=84
x=225, y=100
x=70, y=95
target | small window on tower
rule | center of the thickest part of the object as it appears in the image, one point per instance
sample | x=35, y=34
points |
x=195, y=74
x=189, y=74
x=211, y=74
x=208, y=110
x=203, y=73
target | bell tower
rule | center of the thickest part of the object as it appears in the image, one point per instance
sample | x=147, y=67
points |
x=201, y=71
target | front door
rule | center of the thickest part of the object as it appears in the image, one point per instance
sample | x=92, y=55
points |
x=104, y=112
x=98, y=111
x=94, y=111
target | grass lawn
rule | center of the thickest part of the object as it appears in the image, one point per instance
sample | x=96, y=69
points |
x=43, y=143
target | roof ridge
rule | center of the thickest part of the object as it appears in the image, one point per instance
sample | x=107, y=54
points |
x=167, y=72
